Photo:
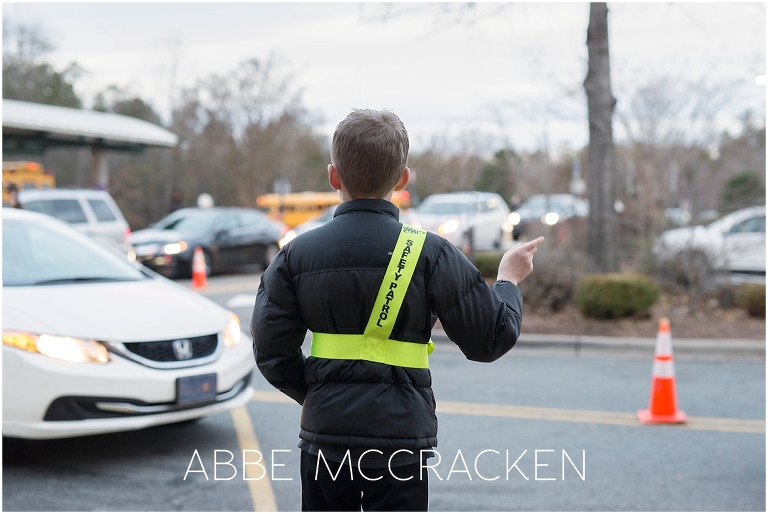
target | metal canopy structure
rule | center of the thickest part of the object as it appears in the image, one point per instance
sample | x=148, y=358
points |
x=32, y=128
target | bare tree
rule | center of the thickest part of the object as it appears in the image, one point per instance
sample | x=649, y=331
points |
x=602, y=241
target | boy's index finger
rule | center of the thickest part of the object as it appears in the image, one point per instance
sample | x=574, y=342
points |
x=530, y=245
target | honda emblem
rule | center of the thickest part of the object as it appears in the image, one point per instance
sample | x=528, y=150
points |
x=182, y=349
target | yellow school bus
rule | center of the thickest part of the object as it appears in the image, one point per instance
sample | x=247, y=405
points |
x=296, y=208
x=25, y=175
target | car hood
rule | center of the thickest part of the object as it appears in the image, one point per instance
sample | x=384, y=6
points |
x=153, y=235
x=147, y=310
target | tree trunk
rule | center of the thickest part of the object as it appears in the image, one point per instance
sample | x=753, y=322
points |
x=602, y=244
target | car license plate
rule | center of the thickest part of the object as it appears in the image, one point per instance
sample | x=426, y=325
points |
x=197, y=389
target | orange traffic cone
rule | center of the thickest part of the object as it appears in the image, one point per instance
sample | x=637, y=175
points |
x=199, y=276
x=662, y=407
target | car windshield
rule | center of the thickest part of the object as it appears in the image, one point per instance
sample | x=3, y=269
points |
x=37, y=252
x=428, y=207
x=188, y=220
x=540, y=205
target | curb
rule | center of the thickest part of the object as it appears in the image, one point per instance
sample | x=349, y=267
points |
x=714, y=347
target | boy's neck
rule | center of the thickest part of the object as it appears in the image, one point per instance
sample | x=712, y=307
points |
x=345, y=196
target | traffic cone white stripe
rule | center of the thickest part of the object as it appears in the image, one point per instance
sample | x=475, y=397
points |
x=664, y=343
x=663, y=369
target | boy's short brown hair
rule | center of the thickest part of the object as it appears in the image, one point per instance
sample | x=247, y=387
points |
x=370, y=152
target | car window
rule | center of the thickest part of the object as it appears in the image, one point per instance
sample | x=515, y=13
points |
x=188, y=220
x=750, y=225
x=67, y=210
x=252, y=219
x=37, y=252
x=230, y=223
x=101, y=210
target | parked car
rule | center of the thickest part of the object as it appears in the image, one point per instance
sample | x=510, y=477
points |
x=229, y=237
x=467, y=219
x=318, y=221
x=734, y=243
x=91, y=211
x=95, y=344
x=547, y=209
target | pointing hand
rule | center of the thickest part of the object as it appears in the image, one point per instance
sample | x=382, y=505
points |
x=517, y=262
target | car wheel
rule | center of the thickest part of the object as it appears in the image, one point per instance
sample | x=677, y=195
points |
x=269, y=254
x=15, y=450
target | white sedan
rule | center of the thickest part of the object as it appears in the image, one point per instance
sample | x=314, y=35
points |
x=470, y=220
x=94, y=344
x=734, y=243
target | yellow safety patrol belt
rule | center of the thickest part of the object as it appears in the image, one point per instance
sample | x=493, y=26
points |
x=374, y=344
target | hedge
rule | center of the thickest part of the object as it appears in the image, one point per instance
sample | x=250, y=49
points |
x=751, y=297
x=615, y=295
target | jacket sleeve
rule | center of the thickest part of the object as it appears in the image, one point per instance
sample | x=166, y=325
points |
x=278, y=331
x=483, y=321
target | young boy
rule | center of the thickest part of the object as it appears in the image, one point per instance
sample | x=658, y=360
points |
x=370, y=289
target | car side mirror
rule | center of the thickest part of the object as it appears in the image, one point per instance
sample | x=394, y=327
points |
x=222, y=234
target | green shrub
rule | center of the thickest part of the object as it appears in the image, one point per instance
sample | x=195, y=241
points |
x=488, y=263
x=615, y=295
x=751, y=297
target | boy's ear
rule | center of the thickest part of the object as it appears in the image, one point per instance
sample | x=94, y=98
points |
x=404, y=179
x=333, y=177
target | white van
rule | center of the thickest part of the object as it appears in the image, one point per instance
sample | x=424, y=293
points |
x=90, y=210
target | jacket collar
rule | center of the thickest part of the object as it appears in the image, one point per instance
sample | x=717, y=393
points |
x=368, y=205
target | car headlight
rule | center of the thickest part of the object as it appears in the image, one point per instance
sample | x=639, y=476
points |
x=449, y=227
x=550, y=218
x=72, y=349
x=174, y=248
x=231, y=333
x=514, y=218
x=287, y=238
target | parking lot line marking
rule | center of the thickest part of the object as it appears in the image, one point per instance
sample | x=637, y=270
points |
x=262, y=495
x=744, y=426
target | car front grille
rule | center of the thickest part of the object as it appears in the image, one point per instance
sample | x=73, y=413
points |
x=186, y=349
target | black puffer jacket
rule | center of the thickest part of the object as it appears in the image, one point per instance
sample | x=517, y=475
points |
x=326, y=280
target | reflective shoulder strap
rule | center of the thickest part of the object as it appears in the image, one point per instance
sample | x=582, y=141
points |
x=374, y=344
x=395, y=283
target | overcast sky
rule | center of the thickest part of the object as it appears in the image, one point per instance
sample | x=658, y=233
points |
x=513, y=72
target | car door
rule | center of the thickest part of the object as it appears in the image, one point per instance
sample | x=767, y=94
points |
x=228, y=240
x=745, y=245
x=258, y=235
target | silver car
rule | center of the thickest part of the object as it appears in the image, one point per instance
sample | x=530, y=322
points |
x=91, y=211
